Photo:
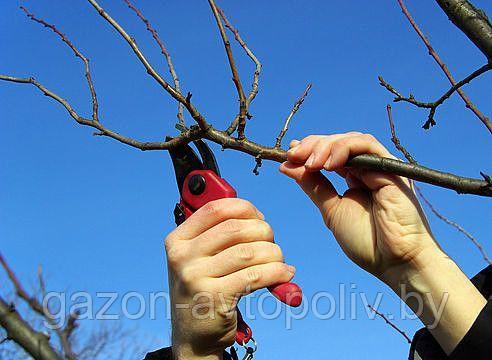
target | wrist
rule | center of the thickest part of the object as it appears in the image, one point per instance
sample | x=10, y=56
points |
x=414, y=272
x=184, y=351
x=439, y=293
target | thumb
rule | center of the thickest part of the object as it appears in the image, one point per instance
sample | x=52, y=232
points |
x=319, y=189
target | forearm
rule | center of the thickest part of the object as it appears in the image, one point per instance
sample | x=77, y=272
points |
x=186, y=352
x=435, y=288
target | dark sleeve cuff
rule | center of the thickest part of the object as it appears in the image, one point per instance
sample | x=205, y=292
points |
x=477, y=343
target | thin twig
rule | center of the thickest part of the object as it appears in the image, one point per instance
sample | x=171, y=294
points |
x=36, y=306
x=462, y=185
x=256, y=75
x=235, y=74
x=433, y=105
x=206, y=131
x=88, y=76
x=181, y=122
x=390, y=323
x=195, y=114
x=19, y=289
x=296, y=107
x=395, y=139
x=258, y=164
x=455, y=225
x=469, y=104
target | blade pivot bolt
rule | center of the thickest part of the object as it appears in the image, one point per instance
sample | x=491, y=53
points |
x=197, y=184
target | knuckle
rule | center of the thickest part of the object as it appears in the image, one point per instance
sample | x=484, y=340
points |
x=175, y=255
x=188, y=276
x=369, y=137
x=232, y=226
x=277, y=252
x=253, y=275
x=354, y=133
x=266, y=230
x=310, y=138
x=244, y=252
x=245, y=207
x=279, y=268
x=213, y=209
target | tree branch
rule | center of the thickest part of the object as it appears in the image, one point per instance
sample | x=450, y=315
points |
x=61, y=333
x=88, y=76
x=473, y=22
x=390, y=323
x=410, y=158
x=460, y=184
x=296, y=107
x=395, y=139
x=434, y=105
x=195, y=114
x=469, y=104
x=181, y=122
x=36, y=306
x=35, y=343
x=256, y=75
x=235, y=75
x=206, y=131
x=455, y=225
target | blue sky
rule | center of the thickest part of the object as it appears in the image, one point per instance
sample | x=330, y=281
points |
x=94, y=213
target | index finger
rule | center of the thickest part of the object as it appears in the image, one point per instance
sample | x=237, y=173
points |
x=214, y=213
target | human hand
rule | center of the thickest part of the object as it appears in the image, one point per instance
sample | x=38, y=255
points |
x=378, y=221
x=380, y=225
x=223, y=251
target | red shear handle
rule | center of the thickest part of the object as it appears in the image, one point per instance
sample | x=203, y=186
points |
x=202, y=186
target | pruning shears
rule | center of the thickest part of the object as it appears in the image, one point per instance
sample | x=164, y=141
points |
x=199, y=182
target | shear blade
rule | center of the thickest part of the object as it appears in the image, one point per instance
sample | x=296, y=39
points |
x=185, y=160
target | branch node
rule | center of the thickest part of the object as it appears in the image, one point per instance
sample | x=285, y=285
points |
x=487, y=178
x=188, y=97
x=257, y=167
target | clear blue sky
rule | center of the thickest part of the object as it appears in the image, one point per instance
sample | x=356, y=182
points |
x=95, y=212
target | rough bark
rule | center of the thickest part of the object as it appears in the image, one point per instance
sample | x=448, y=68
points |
x=473, y=22
x=35, y=343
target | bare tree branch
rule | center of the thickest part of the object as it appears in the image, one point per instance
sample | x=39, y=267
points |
x=473, y=22
x=36, y=306
x=103, y=131
x=256, y=75
x=469, y=104
x=296, y=107
x=181, y=122
x=395, y=139
x=235, y=75
x=195, y=114
x=78, y=54
x=35, y=343
x=410, y=158
x=434, y=105
x=455, y=225
x=390, y=323
x=260, y=152
x=462, y=185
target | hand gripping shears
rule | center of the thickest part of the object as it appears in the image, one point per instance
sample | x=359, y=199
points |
x=199, y=182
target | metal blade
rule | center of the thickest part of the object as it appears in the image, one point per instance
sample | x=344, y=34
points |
x=185, y=160
x=208, y=157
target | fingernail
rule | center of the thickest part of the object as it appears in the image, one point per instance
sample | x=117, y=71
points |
x=294, y=143
x=327, y=163
x=293, y=150
x=291, y=269
x=310, y=160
